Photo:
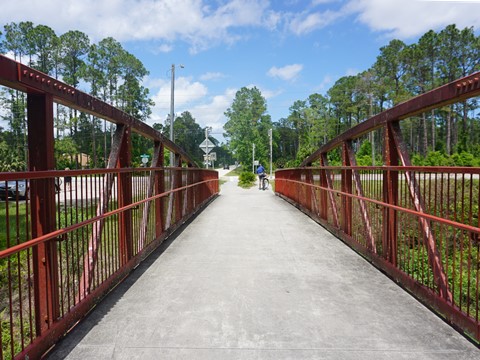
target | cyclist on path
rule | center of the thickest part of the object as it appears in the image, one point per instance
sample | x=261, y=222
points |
x=261, y=175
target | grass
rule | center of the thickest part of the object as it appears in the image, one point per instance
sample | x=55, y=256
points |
x=16, y=220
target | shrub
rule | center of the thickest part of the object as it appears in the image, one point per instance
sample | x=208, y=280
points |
x=246, y=179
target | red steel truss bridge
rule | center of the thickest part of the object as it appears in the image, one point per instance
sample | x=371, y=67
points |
x=64, y=250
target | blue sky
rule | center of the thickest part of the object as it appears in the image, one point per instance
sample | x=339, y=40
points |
x=288, y=49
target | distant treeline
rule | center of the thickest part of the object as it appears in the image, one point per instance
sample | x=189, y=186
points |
x=400, y=72
x=105, y=70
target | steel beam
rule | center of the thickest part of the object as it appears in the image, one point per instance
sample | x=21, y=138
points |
x=150, y=192
x=125, y=228
x=390, y=196
x=346, y=188
x=42, y=204
x=91, y=256
x=434, y=257
x=26, y=79
x=363, y=206
x=453, y=92
x=160, y=189
x=178, y=194
x=331, y=196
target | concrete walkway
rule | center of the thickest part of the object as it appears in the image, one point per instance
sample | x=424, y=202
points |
x=254, y=278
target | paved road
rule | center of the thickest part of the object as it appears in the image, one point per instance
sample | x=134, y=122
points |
x=253, y=278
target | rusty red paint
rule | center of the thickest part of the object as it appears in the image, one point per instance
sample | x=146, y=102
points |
x=69, y=248
x=440, y=200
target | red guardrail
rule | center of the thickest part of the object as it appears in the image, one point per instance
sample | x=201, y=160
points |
x=68, y=237
x=429, y=243
x=420, y=225
x=102, y=230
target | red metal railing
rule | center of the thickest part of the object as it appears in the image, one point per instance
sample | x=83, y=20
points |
x=68, y=237
x=89, y=251
x=421, y=225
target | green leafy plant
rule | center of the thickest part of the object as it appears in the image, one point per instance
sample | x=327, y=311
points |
x=246, y=179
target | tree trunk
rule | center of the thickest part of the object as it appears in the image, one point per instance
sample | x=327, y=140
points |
x=425, y=134
x=449, y=131
x=434, y=130
x=94, y=146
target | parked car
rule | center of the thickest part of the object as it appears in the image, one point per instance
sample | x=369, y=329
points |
x=13, y=189
x=226, y=167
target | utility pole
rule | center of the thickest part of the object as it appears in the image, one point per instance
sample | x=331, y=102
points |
x=270, y=135
x=172, y=116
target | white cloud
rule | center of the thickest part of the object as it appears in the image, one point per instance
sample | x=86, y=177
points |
x=164, y=48
x=319, y=2
x=211, y=113
x=211, y=76
x=409, y=18
x=325, y=84
x=288, y=72
x=266, y=93
x=198, y=22
x=186, y=92
x=203, y=24
x=397, y=18
x=304, y=23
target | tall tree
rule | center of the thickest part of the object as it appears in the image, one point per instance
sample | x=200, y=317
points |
x=74, y=46
x=134, y=98
x=188, y=135
x=45, y=44
x=248, y=124
x=449, y=70
x=390, y=65
x=428, y=48
x=13, y=42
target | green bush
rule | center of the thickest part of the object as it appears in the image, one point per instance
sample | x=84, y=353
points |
x=246, y=179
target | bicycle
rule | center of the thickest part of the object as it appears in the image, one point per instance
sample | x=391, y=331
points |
x=58, y=182
x=265, y=183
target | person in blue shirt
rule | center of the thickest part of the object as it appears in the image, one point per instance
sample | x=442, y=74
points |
x=261, y=175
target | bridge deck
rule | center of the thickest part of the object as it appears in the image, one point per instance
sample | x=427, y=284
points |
x=254, y=278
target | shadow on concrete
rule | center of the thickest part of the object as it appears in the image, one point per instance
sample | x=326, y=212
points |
x=72, y=338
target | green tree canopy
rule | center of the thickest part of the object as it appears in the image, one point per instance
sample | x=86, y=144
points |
x=248, y=123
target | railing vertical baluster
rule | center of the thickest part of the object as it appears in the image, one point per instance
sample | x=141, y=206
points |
x=178, y=194
x=125, y=198
x=390, y=196
x=160, y=189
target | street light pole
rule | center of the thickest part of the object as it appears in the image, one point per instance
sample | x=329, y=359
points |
x=172, y=116
x=270, y=136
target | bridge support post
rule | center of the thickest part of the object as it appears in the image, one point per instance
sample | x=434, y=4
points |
x=434, y=258
x=190, y=191
x=42, y=203
x=179, y=194
x=346, y=188
x=160, y=189
x=329, y=193
x=125, y=230
x=390, y=196
x=309, y=190
x=323, y=206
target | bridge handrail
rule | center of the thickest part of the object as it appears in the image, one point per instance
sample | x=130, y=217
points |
x=450, y=93
x=62, y=248
x=418, y=224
